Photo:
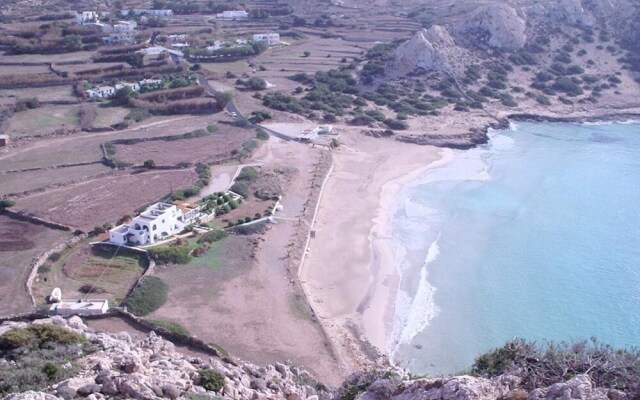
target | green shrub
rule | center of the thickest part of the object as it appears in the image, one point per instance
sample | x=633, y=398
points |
x=256, y=228
x=6, y=203
x=150, y=295
x=213, y=236
x=545, y=365
x=170, y=326
x=249, y=174
x=171, y=254
x=396, y=124
x=211, y=379
x=240, y=188
x=16, y=338
x=544, y=100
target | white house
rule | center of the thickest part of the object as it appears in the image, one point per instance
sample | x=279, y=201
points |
x=101, y=92
x=233, y=15
x=152, y=83
x=272, y=39
x=125, y=26
x=87, y=17
x=155, y=223
x=80, y=307
x=147, y=11
x=133, y=86
x=126, y=37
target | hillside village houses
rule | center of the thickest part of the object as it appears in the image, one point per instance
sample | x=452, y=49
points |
x=271, y=38
x=233, y=15
x=105, y=92
x=147, y=11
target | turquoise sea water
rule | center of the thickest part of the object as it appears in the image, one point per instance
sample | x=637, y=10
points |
x=536, y=235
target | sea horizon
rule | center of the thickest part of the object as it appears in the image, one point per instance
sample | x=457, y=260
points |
x=533, y=235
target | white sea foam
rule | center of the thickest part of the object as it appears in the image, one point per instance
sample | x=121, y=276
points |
x=414, y=313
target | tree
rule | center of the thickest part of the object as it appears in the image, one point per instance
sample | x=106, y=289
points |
x=136, y=60
x=306, y=53
x=6, y=203
x=256, y=83
x=149, y=164
x=123, y=95
x=222, y=99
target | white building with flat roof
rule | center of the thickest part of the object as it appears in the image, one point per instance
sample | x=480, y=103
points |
x=101, y=92
x=271, y=38
x=155, y=223
x=147, y=11
x=233, y=15
x=87, y=17
x=80, y=307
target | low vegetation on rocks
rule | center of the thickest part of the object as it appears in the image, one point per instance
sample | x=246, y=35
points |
x=34, y=356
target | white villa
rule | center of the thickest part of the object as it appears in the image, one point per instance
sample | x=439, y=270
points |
x=233, y=15
x=155, y=223
x=272, y=39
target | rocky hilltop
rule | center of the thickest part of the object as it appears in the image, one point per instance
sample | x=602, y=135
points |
x=120, y=366
x=497, y=25
x=430, y=49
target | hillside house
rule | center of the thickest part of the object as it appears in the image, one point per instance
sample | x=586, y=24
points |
x=123, y=37
x=147, y=11
x=233, y=15
x=155, y=223
x=87, y=17
x=101, y=92
x=125, y=26
x=80, y=307
x=133, y=86
x=152, y=83
x=271, y=39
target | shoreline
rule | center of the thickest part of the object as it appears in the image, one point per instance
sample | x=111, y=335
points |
x=383, y=258
x=372, y=172
x=358, y=322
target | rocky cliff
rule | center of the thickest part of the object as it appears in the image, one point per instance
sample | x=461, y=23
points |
x=119, y=366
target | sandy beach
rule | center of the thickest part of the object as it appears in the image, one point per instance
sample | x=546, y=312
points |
x=351, y=283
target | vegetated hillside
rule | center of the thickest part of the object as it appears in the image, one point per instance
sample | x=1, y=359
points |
x=56, y=358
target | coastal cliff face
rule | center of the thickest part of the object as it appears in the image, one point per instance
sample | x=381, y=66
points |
x=119, y=366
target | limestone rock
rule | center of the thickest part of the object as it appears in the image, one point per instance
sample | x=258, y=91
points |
x=498, y=25
x=430, y=49
x=31, y=395
x=579, y=387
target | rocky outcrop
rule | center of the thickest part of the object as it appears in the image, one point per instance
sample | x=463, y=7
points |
x=394, y=386
x=151, y=368
x=497, y=25
x=430, y=49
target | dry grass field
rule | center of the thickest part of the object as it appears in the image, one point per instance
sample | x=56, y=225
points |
x=204, y=149
x=17, y=182
x=107, y=116
x=20, y=243
x=82, y=266
x=97, y=201
x=47, y=93
x=43, y=120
